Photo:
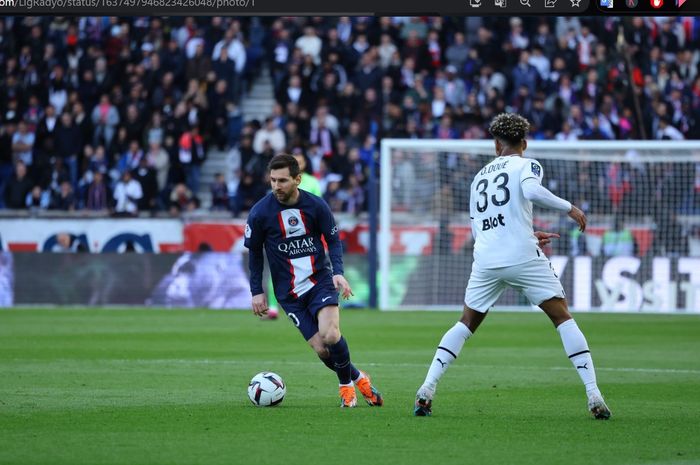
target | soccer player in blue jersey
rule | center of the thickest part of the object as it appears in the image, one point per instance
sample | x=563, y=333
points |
x=290, y=224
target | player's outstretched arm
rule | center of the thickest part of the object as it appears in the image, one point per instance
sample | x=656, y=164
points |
x=578, y=216
x=260, y=306
x=342, y=286
x=538, y=194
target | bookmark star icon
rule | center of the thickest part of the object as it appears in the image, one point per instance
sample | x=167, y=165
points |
x=576, y=3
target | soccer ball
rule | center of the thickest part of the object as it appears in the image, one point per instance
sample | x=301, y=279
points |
x=266, y=389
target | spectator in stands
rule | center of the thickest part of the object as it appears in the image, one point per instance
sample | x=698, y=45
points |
x=458, y=52
x=666, y=131
x=455, y=91
x=248, y=193
x=64, y=198
x=69, y=145
x=130, y=159
x=309, y=183
x=44, y=147
x=97, y=197
x=38, y=199
x=18, y=187
x=229, y=57
x=404, y=176
x=6, y=169
x=105, y=119
x=310, y=44
x=198, y=65
x=271, y=134
x=180, y=199
x=219, y=193
x=294, y=92
x=146, y=177
x=335, y=197
x=23, y=144
x=323, y=137
x=127, y=194
x=524, y=74
x=618, y=241
x=192, y=153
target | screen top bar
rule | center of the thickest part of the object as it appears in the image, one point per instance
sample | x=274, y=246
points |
x=353, y=8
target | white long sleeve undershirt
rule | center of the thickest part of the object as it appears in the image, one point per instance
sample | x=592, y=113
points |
x=542, y=197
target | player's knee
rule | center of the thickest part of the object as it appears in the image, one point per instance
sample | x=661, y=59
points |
x=330, y=336
x=471, y=318
x=557, y=310
x=320, y=349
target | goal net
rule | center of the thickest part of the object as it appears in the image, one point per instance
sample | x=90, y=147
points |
x=640, y=252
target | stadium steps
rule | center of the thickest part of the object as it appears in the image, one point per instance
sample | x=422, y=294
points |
x=258, y=102
x=217, y=162
x=255, y=104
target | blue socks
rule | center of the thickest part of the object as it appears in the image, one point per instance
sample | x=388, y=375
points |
x=354, y=372
x=340, y=356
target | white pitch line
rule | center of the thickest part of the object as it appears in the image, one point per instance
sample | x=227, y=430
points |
x=264, y=363
x=643, y=370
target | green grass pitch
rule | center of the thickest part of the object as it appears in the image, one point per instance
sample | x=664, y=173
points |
x=155, y=387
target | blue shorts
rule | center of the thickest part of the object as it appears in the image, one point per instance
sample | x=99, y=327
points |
x=303, y=311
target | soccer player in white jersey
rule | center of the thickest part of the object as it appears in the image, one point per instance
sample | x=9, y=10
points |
x=506, y=253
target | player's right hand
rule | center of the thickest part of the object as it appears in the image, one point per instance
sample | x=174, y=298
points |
x=342, y=286
x=579, y=217
x=260, y=306
x=544, y=238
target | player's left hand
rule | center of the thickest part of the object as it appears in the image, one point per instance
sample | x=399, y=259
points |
x=543, y=238
x=342, y=286
x=260, y=306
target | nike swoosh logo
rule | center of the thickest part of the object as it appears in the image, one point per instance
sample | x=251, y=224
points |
x=294, y=231
x=325, y=298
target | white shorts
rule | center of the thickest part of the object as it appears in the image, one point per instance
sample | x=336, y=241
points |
x=536, y=279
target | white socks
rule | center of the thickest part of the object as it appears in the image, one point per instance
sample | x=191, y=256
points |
x=448, y=350
x=576, y=349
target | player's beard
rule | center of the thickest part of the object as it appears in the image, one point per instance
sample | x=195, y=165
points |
x=282, y=196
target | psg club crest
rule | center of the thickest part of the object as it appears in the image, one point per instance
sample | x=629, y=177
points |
x=292, y=221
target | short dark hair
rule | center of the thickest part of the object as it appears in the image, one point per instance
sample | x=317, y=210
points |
x=510, y=128
x=284, y=160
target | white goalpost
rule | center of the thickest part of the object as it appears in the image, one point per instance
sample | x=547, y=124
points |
x=640, y=253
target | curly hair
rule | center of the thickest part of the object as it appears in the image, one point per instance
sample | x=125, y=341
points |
x=509, y=127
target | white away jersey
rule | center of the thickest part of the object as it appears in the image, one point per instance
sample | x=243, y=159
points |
x=501, y=216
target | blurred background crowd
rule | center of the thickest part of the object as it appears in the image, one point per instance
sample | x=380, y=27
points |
x=119, y=115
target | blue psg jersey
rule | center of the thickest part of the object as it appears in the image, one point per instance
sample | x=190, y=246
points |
x=291, y=236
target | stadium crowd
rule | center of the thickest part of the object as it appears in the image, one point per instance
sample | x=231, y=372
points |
x=119, y=114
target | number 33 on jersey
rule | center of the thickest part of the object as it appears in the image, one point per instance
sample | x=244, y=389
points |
x=501, y=215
